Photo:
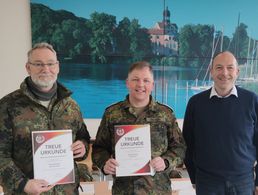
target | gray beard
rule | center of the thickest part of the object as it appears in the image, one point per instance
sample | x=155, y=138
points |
x=43, y=84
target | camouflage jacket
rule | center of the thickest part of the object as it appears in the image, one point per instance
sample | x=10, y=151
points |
x=166, y=141
x=20, y=114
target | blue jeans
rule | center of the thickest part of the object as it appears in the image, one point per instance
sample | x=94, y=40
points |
x=207, y=184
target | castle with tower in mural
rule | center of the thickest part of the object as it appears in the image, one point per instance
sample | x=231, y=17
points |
x=164, y=36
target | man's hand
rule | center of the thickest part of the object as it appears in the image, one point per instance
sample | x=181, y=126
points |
x=78, y=149
x=256, y=190
x=37, y=186
x=158, y=164
x=110, y=166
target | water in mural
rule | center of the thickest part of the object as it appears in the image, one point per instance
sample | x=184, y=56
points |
x=97, y=86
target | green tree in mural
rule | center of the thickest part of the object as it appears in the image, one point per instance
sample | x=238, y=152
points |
x=42, y=22
x=186, y=37
x=68, y=33
x=226, y=43
x=239, y=45
x=198, y=44
x=140, y=45
x=71, y=37
x=204, y=34
x=132, y=40
x=122, y=37
x=102, y=39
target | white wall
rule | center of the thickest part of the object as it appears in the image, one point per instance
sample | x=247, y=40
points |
x=15, y=41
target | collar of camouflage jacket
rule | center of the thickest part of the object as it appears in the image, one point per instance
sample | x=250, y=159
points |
x=42, y=96
x=151, y=106
x=62, y=92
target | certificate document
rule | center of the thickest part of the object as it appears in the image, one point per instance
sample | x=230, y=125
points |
x=52, y=156
x=133, y=150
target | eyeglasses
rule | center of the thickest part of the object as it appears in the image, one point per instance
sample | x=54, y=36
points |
x=41, y=65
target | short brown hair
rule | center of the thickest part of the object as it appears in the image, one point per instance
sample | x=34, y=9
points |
x=140, y=65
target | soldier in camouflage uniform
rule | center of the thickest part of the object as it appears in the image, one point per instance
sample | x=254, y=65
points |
x=41, y=103
x=167, y=145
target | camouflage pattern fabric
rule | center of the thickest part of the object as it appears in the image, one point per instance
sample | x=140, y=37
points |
x=166, y=141
x=84, y=172
x=20, y=114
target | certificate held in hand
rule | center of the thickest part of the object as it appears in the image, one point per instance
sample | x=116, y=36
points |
x=52, y=156
x=133, y=150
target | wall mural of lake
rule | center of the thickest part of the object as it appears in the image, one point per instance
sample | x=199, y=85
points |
x=96, y=42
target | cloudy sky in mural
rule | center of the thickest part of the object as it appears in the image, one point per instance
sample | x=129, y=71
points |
x=224, y=14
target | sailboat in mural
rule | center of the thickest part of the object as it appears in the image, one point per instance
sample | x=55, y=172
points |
x=206, y=83
x=250, y=67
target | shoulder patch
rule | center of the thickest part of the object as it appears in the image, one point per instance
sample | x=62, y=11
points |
x=166, y=106
x=114, y=104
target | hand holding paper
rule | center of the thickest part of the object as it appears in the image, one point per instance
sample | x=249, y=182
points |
x=158, y=164
x=37, y=186
x=78, y=149
x=133, y=150
x=110, y=166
